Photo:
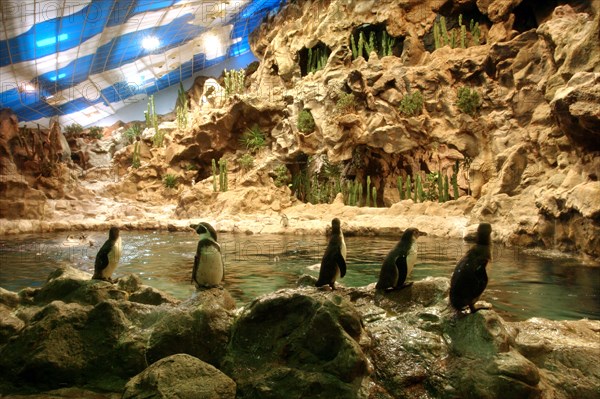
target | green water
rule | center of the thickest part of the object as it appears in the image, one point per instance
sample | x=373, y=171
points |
x=522, y=285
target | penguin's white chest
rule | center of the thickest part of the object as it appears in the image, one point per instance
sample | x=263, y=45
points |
x=113, y=258
x=411, y=258
x=338, y=273
x=210, y=267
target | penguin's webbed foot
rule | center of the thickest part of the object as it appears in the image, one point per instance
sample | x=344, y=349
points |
x=405, y=285
x=483, y=307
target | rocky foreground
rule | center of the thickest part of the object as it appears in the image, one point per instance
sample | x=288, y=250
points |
x=75, y=337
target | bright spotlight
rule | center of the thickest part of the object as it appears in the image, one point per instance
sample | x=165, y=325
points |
x=150, y=43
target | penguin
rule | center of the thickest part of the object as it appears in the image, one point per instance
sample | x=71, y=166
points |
x=399, y=262
x=208, y=270
x=470, y=278
x=108, y=256
x=333, y=264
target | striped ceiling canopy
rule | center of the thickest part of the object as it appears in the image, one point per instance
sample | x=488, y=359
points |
x=82, y=60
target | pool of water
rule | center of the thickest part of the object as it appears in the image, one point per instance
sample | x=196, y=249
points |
x=522, y=284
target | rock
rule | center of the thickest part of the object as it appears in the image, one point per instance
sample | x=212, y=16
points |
x=512, y=170
x=289, y=343
x=151, y=296
x=200, y=328
x=577, y=109
x=181, y=376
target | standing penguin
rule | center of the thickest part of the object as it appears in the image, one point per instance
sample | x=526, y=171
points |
x=470, y=278
x=108, y=256
x=333, y=264
x=208, y=264
x=399, y=262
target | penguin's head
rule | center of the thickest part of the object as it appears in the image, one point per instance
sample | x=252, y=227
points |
x=113, y=233
x=203, y=228
x=411, y=234
x=484, y=232
x=336, y=226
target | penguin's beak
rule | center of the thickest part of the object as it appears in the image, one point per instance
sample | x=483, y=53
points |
x=421, y=233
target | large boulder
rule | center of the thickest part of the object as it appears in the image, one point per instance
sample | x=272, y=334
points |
x=199, y=327
x=296, y=344
x=180, y=376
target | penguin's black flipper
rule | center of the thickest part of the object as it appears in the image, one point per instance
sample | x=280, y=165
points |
x=469, y=279
x=341, y=262
x=402, y=268
x=102, y=257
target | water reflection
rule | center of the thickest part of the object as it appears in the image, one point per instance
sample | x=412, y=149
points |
x=522, y=285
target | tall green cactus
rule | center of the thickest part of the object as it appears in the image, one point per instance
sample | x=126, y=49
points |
x=368, y=202
x=400, y=188
x=182, y=108
x=455, y=180
x=440, y=184
x=446, y=193
x=374, y=196
x=408, y=187
x=360, y=193
x=436, y=35
x=223, y=175
x=444, y=31
x=354, y=48
x=214, y=170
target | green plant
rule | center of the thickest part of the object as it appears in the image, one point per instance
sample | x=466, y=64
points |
x=170, y=181
x=368, y=202
x=182, y=108
x=466, y=168
x=223, y=185
x=134, y=131
x=400, y=186
x=253, y=139
x=246, y=162
x=317, y=59
x=411, y=104
x=234, y=81
x=74, y=128
x=136, y=162
x=214, y=171
x=152, y=121
x=475, y=32
x=370, y=45
x=306, y=122
x=353, y=47
x=281, y=176
x=468, y=100
x=95, y=132
x=387, y=44
x=440, y=184
x=463, y=32
x=446, y=193
x=374, y=196
x=455, y=179
x=346, y=103
x=191, y=166
x=408, y=187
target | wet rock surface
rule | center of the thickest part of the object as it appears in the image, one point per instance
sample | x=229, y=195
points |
x=295, y=343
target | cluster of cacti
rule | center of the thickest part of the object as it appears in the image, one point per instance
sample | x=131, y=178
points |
x=223, y=175
x=384, y=46
x=152, y=121
x=234, y=81
x=368, y=201
x=317, y=59
x=434, y=187
x=353, y=193
x=182, y=108
x=457, y=36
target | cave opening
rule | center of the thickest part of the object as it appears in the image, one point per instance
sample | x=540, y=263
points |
x=314, y=58
x=374, y=37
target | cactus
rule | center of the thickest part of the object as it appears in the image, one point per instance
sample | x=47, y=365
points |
x=374, y=196
x=475, y=32
x=446, y=193
x=360, y=193
x=222, y=175
x=419, y=194
x=370, y=46
x=444, y=31
x=408, y=184
x=135, y=162
x=455, y=180
x=354, y=48
x=440, y=184
x=463, y=32
x=182, y=108
x=436, y=35
x=214, y=170
x=361, y=44
x=400, y=188
x=368, y=201
x=234, y=81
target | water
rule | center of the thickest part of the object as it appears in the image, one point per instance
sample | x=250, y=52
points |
x=522, y=285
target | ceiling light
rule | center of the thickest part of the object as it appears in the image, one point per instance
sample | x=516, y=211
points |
x=52, y=40
x=213, y=46
x=150, y=43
